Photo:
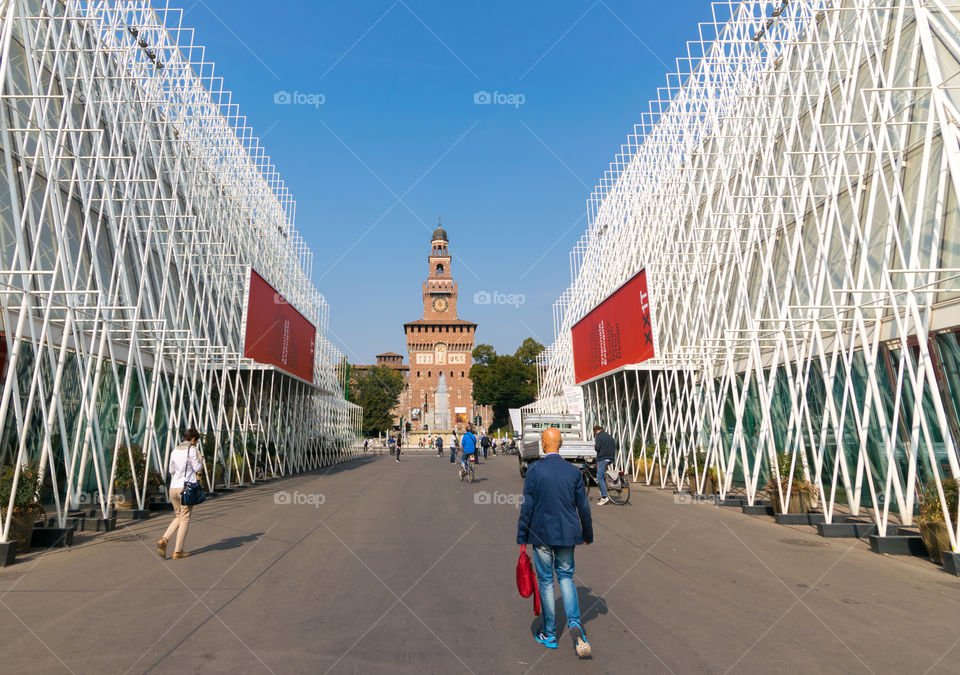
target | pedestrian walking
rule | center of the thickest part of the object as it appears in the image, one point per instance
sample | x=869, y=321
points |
x=439, y=443
x=555, y=519
x=366, y=444
x=399, y=443
x=391, y=444
x=606, y=447
x=454, y=444
x=485, y=444
x=183, y=467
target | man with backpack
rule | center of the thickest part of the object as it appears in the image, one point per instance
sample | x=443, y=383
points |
x=485, y=444
x=454, y=444
x=439, y=443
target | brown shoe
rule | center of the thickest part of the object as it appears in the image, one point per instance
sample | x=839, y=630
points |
x=177, y=556
x=162, y=548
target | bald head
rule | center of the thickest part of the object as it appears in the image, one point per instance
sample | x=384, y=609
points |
x=551, y=440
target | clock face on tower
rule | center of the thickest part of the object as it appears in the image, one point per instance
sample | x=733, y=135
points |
x=440, y=304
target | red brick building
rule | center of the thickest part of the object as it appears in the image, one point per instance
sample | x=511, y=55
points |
x=437, y=394
x=440, y=346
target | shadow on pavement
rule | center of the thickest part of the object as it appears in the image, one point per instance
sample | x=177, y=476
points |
x=228, y=543
x=343, y=466
x=591, y=606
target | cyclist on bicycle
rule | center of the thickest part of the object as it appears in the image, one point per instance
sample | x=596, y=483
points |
x=606, y=447
x=469, y=444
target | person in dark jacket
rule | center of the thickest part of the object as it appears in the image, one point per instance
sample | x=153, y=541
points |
x=555, y=518
x=606, y=447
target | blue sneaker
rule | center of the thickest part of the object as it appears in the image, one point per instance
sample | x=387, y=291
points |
x=580, y=640
x=545, y=640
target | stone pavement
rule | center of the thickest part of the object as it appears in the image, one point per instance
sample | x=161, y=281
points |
x=379, y=567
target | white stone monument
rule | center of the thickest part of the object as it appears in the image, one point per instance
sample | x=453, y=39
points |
x=441, y=406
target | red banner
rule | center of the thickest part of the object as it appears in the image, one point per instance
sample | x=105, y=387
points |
x=615, y=333
x=277, y=334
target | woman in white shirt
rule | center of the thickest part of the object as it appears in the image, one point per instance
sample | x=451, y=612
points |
x=184, y=465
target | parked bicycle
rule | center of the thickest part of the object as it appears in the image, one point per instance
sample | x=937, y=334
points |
x=618, y=489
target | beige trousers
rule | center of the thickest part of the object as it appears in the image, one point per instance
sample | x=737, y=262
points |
x=181, y=520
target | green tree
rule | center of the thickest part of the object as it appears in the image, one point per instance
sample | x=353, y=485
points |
x=527, y=352
x=504, y=381
x=344, y=375
x=484, y=355
x=377, y=389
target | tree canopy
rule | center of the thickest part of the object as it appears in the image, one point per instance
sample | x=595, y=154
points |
x=377, y=389
x=505, y=381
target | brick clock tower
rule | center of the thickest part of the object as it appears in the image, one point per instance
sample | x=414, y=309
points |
x=441, y=351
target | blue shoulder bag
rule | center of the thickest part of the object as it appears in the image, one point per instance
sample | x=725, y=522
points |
x=192, y=494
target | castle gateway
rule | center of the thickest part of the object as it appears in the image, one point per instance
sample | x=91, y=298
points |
x=439, y=396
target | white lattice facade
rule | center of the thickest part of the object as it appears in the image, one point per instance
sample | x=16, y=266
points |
x=793, y=197
x=133, y=203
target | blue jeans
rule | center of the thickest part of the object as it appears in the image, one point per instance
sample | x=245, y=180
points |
x=601, y=476
x=464, y=459
x=559, y=559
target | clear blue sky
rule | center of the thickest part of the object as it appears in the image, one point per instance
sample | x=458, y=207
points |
x=398, y=139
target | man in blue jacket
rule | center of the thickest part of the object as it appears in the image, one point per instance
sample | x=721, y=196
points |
x=469, y=444
x=555, y=518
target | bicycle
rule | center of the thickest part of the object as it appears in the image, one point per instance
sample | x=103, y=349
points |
x=470, y=473
x=618, y=490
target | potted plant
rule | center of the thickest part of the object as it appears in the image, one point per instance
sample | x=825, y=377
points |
x=709, y=474
x=239, y=465
x=156, y=487
x=125, y=479
x=802, y=493
x=26, y=502
x=643, y=459
x=931, y=520
x=208, y=445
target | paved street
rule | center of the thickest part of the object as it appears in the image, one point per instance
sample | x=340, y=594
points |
x=401, y=570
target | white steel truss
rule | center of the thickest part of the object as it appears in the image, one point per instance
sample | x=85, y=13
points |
x=133, y=202
x=793, y=196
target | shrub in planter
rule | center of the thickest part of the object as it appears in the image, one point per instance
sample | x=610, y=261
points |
x=802, y=494
x=208, y=445
x=651, y=470
x=124, y=483
x=156, y=485
x=711, y=482
x=931, y=520
x=26, y=502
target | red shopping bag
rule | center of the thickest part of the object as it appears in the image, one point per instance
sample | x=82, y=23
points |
x=527, y=580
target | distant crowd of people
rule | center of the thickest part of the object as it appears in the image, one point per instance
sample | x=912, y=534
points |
x=488, y=445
